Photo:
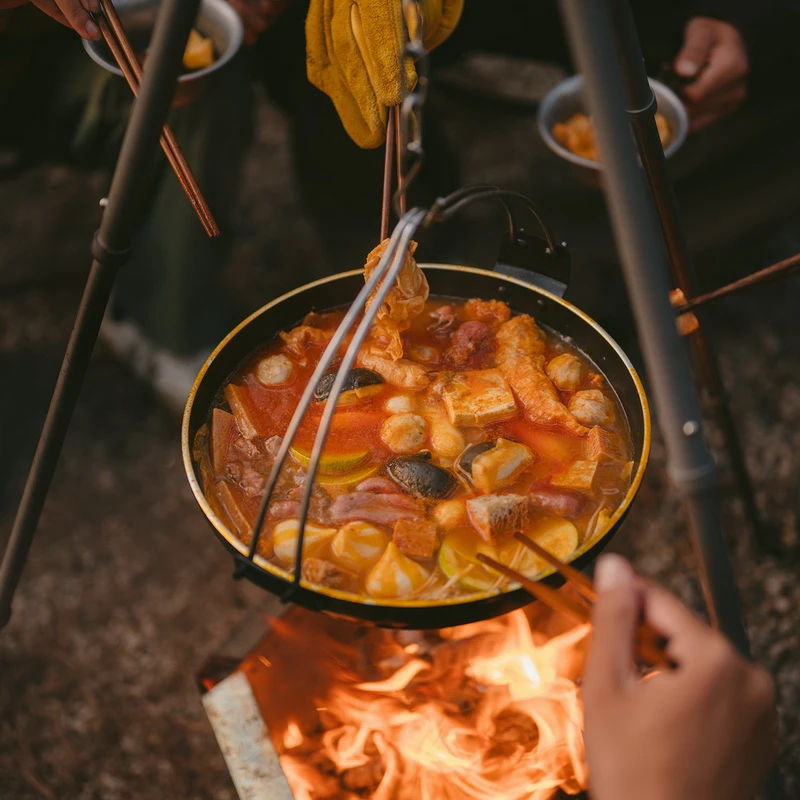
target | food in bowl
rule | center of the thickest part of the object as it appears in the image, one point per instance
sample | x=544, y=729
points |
x=459, y=424
x=577, y=135
x=199, y=52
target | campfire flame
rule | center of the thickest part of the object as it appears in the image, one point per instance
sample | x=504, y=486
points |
x=480, y=711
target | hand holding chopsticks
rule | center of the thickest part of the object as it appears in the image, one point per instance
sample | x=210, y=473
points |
x=650, y=645
x=704, y=730
x=117, y=41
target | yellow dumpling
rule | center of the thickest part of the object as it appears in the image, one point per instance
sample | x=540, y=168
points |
x=284, y=539
x=395, y=575
x=358, y=545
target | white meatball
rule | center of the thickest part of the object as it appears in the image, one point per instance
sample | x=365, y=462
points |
x=273, y=370
x=565, y=372
x=404, y=433
x=591, y=407
x=399, y=404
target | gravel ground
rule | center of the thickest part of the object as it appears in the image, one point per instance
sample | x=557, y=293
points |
x=126, y=591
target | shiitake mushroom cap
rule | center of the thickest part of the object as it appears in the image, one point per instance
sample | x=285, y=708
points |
x=357, y=378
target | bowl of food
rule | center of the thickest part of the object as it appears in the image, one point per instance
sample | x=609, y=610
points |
x=568, y=131
x=214, y=40
x=464, y=420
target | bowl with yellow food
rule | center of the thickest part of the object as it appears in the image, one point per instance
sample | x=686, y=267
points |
x=567, y=130
x=215, y=39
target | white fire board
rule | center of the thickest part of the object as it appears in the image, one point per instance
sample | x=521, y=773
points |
x=244, y=740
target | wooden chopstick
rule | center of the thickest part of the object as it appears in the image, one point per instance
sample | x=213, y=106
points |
x=388, y=159
x=584, y=586
x=552, y=598
x=771, y=273
x=650, y=644
x=649, y=636
x=399, y=143
x=117, y=41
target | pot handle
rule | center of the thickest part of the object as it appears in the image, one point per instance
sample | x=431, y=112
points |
x=529, y=258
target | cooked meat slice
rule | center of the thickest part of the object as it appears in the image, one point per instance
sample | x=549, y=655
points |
x=520, y=357
x=324, y=573
x=380, y=509
x=222, y=423
x=251, y=481
x=443, y=319
x=565, y=372
x=591, y=407
x=273, y=370
x=404, y=433
x=377, y=484
x=238, y=398
x=477, y=397
x=406, y=299
x=561, y=502
x=579, y=475
x=492, y=312
x=497, y=515
x=471, y=339
x=320, y=504
x=297, y=341
x=399, y=372
x=285, y=509
x=603, y=445
x=246, y=448
x=415, y=538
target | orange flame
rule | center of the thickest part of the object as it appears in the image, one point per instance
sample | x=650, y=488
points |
x=482, y=712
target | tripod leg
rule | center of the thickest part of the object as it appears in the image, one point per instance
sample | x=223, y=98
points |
x=110, y=249
x=641, y=112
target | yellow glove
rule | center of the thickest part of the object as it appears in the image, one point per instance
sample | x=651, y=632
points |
x=354, y=53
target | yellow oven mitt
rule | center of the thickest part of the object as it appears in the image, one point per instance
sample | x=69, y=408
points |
x=354, y=53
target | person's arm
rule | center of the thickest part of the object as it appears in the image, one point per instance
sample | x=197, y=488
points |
x=705, y=729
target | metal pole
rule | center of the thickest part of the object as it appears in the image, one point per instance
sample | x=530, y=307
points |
x=641, y=112
x=646, y=270
x=109, y=251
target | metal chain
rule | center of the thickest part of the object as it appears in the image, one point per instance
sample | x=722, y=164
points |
x=411, y=152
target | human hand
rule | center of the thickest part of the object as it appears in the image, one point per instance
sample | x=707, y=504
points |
x=258, y=15
x=703, y=730
x=72, y=13
x=715, y=58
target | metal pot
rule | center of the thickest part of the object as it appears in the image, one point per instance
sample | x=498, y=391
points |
x=446, y=280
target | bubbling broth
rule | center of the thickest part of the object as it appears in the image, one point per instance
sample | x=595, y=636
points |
x=459, y=425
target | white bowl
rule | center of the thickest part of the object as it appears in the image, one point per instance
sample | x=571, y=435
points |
x=216, y=19
x=566, y=99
